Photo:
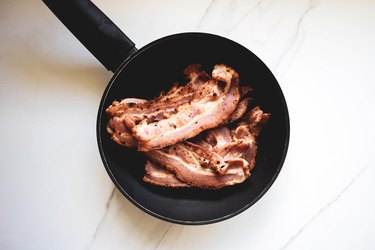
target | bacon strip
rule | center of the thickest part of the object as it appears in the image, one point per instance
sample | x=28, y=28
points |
x=202, y=113
x=223, y=155
x=158, y=175
x=196, y=175
x=235, y=148
x=180, y=114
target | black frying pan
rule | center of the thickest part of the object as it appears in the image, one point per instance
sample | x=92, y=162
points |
x=143, y=74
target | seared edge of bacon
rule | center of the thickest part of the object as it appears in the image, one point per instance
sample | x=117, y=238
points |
x=158, y=175
x=195, y=175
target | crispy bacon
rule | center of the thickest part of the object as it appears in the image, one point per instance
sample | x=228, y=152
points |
x=180, y=114
x=224, y=157
x=158, y=175
x=196, y=175
x=195, y=134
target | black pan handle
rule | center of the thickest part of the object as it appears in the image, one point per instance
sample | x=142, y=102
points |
x=94, y=30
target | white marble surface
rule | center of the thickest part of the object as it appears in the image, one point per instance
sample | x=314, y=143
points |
x=55, y=193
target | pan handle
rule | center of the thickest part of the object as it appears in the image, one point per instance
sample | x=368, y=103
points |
x=94, y=30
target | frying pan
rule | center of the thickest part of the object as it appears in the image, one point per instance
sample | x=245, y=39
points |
x=143, y=74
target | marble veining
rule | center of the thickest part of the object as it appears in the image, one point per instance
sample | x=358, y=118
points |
x=256, y=8
x=205, y=14
x=163, y=236
x=98, y=227
x=296, y=40
x=325, y=207
x=169, y=239
x=229, y=14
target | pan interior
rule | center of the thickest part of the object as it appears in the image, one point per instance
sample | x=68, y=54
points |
x=155, y=68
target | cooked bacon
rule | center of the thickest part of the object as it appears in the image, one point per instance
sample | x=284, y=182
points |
x=120, y=133
x=168, y=129
x=223, y=157
x=180, y=114
x=158, y=175
x=196, y=175
x=116, y=127
x=176, y=95
x=201, y=143
x=239, y=111
x=205, y=157
x=218, y=137
x=205, y=111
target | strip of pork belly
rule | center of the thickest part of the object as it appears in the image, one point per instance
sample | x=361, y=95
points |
x=237, y=146
x=240, y=140
x=158, y=175
x=227, y=147
x=175, y=96
x=196, y=77
x=196, y=175
x=205, y=157
x=187, y=123
x=155, y=113
x=117, y=128
x=236, y=115
x=220, y=146
x=162, y=109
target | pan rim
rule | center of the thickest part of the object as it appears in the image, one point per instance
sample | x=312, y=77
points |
x=145, y=209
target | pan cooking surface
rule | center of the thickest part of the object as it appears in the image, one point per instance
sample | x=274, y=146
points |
x=155, y=68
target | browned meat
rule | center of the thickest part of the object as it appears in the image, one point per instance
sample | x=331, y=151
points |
x=180, y=95
x=196, y=175
x=122, y=136
x=205, y=157
x=239, y=111
x=205, y=111
x=180, y=114
x=218, y=137
x=225, y=156
x=120, y=133
x=158, y=175
x=116, y=127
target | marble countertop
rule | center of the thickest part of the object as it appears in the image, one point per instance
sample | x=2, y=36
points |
x=56, y=194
